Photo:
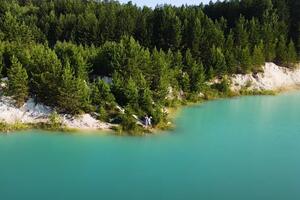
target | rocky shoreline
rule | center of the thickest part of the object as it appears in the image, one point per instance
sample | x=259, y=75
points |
x=273, y=78
x=32, y=113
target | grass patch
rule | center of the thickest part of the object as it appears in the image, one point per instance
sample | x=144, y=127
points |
x=257, y=92
x=18, y=126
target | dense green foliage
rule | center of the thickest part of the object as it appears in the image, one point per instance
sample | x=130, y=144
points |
x=89, y=56
x=18, y=82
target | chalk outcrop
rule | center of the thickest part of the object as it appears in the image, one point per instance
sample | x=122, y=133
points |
x=31, y=112
x=273, y=78
x=84, y=122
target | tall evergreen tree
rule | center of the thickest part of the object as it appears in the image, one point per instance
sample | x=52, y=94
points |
x=1, y=65
x=73, y=93
x=241, y=33
x=45, y=74
x=160, y=75
x=245, y=60
x=291, y=54
x=193, y=36
x=68, y=52
x=197, y=75
x=145, y=97
x=298, y=41
x=231, y=61
x=101, y=94
x=184, y=81
x=18, y=82
x=269, y=33
x=281, y=51
x=254, y=33
x=258, y=58
x=131, y=93
x=218, y=61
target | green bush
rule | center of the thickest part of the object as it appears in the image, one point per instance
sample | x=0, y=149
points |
x=129, y=125
x=55, y=121
x=5, y=127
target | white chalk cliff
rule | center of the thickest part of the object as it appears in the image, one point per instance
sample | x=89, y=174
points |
x=273, y=77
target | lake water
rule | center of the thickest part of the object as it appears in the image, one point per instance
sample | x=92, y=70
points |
x=240, y=149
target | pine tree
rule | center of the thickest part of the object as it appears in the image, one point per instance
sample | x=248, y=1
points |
x=145, y=96
x=218, y=61
x=241, y=32
x=118, y=87
x=1, y=57
x=13, y=30
x=177, y=61
x=18, y=82
x=281, y=51
x=231, y=61
x=210, y=73
x=131, y=93
x=68, y=52
x=298, y=41
x=1, y=67
x=269, y=33
x=197, y=75
x=188, y=60
x=258, y=58
x=174, y=32
x=101, y=94
x=73, y=93
x=185, y=82
x=160, y=75
x=166, y=33
x=141, y=32
x=254, y=33
x=45, y=71
x=245, y=60
x=195, y=37
x=291, y=54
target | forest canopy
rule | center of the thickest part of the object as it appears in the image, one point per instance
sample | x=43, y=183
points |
x=83, y=56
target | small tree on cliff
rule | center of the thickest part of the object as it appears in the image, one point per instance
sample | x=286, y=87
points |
x=291, y=54
x=281, y=52
x=258, y=59
x=18, y=82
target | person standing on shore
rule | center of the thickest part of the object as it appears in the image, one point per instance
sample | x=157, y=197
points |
x=150, y=121
x=146, y=121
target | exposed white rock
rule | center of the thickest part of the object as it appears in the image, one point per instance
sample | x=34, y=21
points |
x=273, y=78
x=31, y=112
x=120, y=109
x=3, y=83
x=28, y=113
x=85, y=121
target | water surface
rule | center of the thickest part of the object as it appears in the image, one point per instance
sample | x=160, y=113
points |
x=239, y=149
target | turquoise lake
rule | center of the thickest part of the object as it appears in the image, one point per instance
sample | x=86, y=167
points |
x=238, y=149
